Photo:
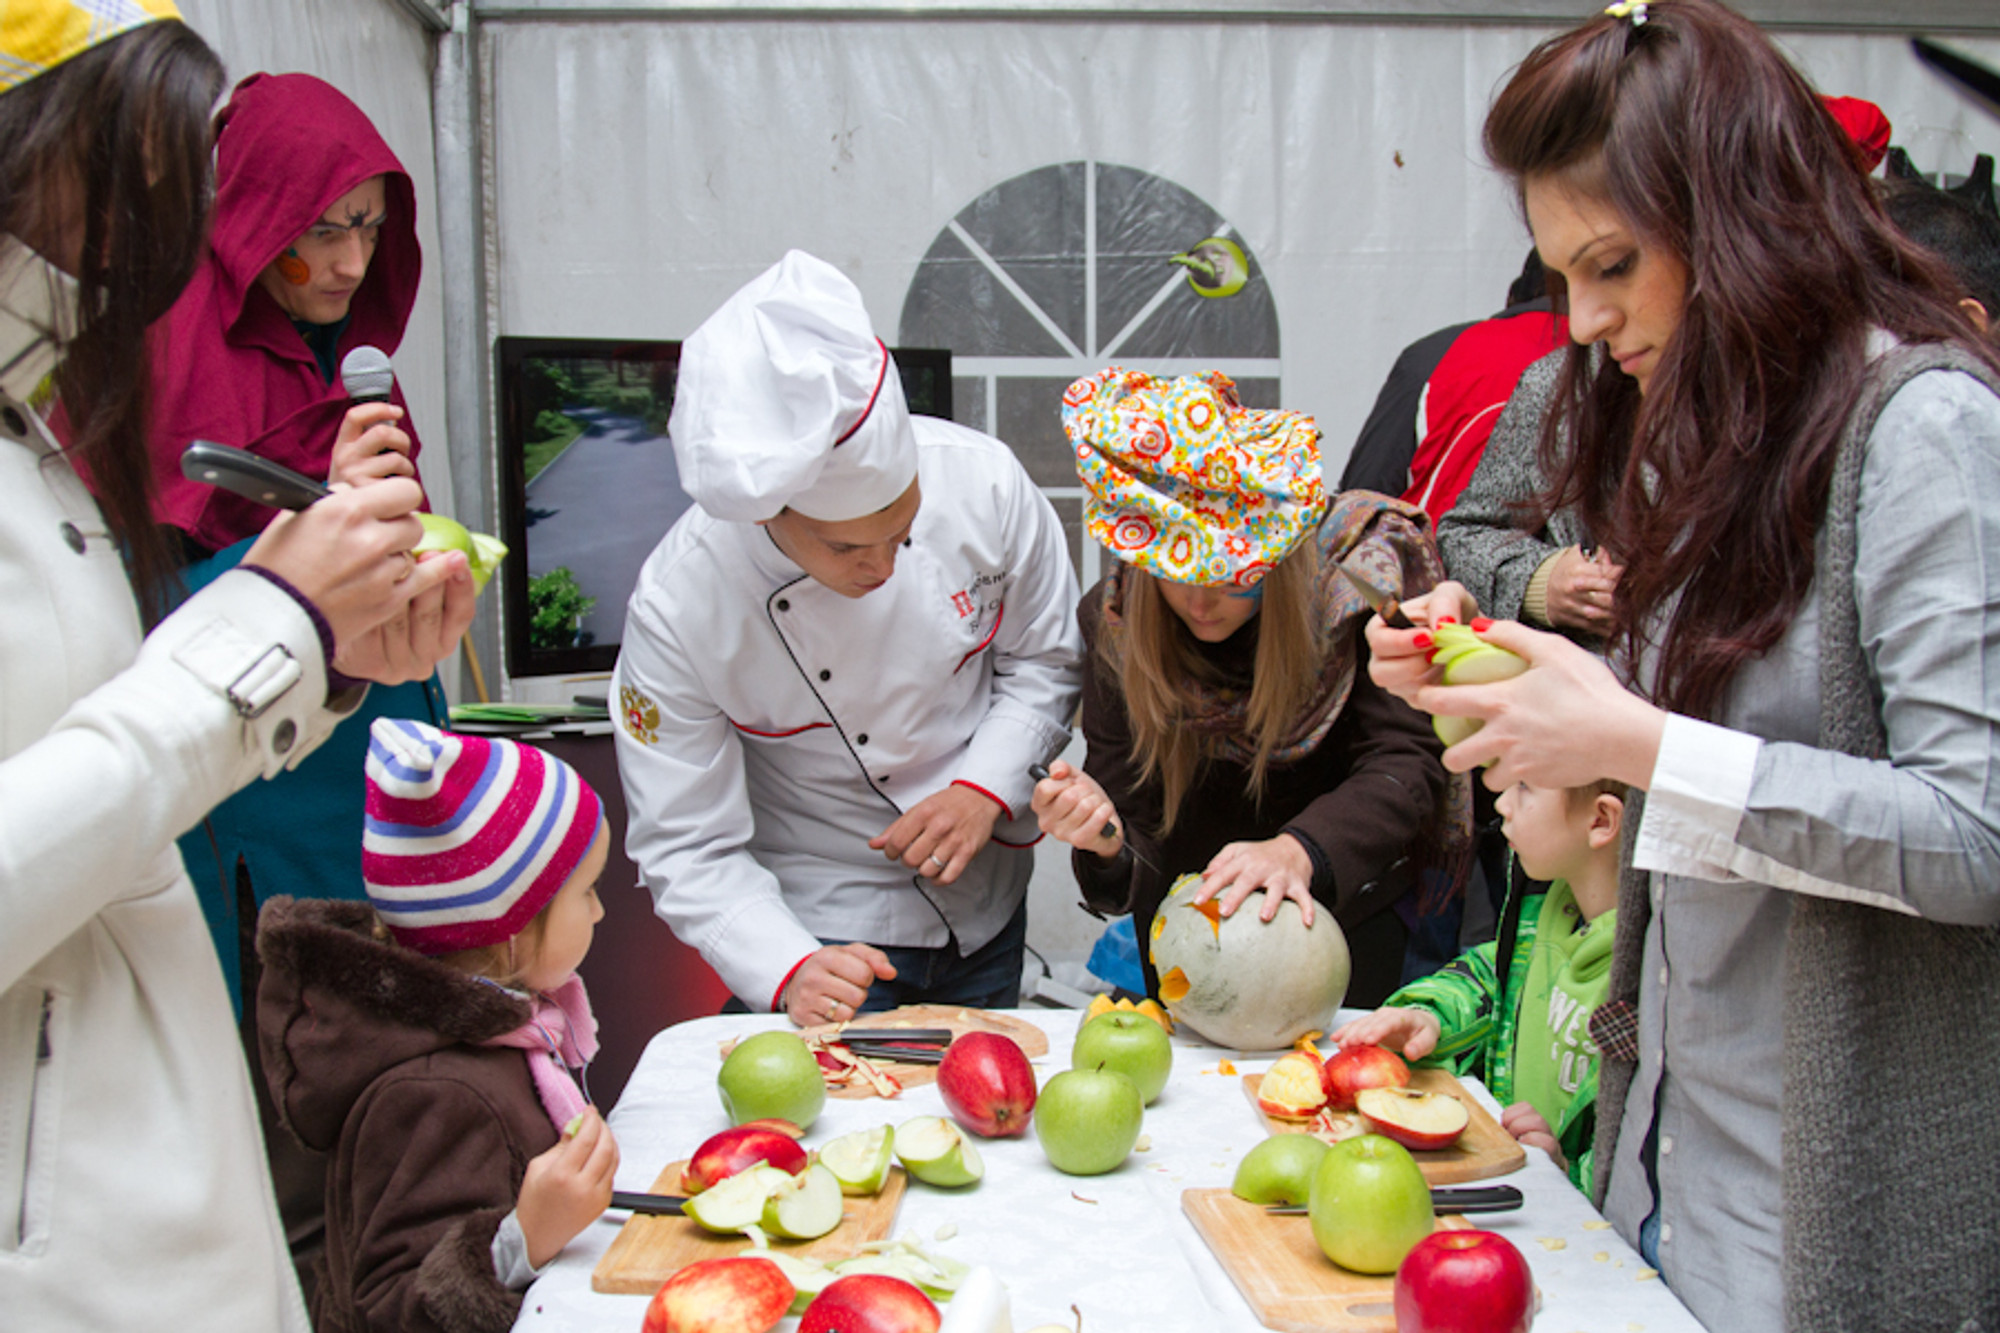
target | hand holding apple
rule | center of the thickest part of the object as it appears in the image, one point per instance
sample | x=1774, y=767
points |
x=1399, y=659
x=1414, y=1032
x=1464, y=1282
x=567, y=1188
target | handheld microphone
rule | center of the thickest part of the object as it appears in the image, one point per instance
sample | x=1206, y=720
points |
x=365, y=374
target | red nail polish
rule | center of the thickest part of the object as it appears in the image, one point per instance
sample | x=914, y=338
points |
x=1422, y=638
x=1447, y=620
x=1480, y=624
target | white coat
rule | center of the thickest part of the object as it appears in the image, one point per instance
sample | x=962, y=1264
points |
x=133, y=1190
x=769, y=727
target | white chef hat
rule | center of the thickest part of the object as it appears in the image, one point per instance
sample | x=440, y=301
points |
x=787, y=398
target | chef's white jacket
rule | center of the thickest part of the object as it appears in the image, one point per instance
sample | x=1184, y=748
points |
x=768, y=727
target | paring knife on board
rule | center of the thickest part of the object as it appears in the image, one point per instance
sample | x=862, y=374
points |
x=1474, y=1199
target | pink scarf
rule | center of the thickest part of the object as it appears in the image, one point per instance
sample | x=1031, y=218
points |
x=559, y=1036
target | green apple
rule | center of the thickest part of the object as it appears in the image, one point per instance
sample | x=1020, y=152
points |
x=1279, y=1170
x=482, y=553
x=1129, y=1042
x=936, y=1152
x=771, y=1074
x=1467, y=659
x=1088, y=1120
x=738, y=1201
x=805, y=1207
x=860, y=1161
x=1369, y=1204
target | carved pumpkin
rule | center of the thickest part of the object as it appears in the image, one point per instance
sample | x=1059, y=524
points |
x=1244, y=983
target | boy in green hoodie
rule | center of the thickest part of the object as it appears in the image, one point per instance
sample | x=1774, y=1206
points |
x=1515, y=1012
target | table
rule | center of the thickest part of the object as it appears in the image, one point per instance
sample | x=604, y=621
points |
x=1116, y=1246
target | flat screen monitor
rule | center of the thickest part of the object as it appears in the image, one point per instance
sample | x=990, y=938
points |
x=588, y=485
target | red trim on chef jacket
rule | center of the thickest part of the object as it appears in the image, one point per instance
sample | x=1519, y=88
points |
x=777, y=735
x=881, y=374
x=778, y=998
x=984, y=643
x=973, y=786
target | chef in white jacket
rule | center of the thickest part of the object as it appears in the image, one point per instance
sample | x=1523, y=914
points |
x=837, y=669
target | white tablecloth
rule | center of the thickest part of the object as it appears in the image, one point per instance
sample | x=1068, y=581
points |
x=1117, y=1246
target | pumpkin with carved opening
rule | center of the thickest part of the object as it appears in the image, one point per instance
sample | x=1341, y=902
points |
x=1242, y=982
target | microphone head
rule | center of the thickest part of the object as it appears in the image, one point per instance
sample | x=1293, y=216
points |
x=365, y=374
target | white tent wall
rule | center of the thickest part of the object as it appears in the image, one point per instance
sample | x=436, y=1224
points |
x=379, y=53
x=644, y=166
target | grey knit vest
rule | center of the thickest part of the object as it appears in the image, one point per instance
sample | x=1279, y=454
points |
x=1891, y=1141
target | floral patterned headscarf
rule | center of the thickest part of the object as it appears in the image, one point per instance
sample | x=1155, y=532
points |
x=1184, y=482
x=38, y=35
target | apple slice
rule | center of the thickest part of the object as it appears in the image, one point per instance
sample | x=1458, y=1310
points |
x=809, y=1277
x=1419, y=1120
x=935, y=1151
x=1292, y=1088
x=734, y=1150
x=738, y=1201
x=860, y=1161
x=804, y=1207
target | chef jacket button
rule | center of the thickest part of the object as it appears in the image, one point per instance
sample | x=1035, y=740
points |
x=72, y=537
x=1663, y=974
x=826, y=675
x=282, y=738
x=882, y=781
x=1666, y=1144
x=862, y=739
x=1666, y=1232
x=784, y=605
x=17, y=425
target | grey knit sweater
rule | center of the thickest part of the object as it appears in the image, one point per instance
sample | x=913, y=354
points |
x=1892, y=1029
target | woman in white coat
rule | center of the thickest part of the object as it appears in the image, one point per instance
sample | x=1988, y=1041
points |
x=132, y=1186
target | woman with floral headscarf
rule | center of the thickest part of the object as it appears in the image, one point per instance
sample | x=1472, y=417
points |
x=1230, y=724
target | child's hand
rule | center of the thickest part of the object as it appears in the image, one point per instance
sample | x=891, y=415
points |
x=1525, y=1123
x=1414, y=1032
x=567, y=1187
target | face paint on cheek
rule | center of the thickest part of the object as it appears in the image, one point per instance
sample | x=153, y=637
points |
x=1253, y=594
x=293, y=269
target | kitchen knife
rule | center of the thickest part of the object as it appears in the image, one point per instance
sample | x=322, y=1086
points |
x=1040, y=771
x=663, y=1204
x=1476, y=1199
x=1378, y=599
x=249, y=476
x=1975, y=78
x=909, y=1055
x=913, y=1036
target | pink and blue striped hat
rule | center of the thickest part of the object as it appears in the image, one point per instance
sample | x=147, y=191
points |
x=466, y=838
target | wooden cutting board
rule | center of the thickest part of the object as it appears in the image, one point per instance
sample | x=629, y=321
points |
x=1483, y=1151
x=651, y=1248
x=1031, y=1039
x=1277, y=1265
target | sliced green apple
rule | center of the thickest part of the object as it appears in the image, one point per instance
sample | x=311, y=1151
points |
x=860, y=1161
x=805, y=1207
x=738, y=1202
x=809, y=1276
x=933, y=1150
x=482, y=553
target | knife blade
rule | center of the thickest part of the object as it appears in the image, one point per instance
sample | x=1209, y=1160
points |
x=1982, y=82
x=908, y=1055
x=1378, y=599
x=663, y=1204
x=1445, y=1199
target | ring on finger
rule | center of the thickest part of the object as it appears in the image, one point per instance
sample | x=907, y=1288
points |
x=409, y=565
x=933, y=859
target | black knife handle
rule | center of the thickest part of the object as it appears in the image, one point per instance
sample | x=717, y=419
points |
x=249, y=476
x=647, y=1203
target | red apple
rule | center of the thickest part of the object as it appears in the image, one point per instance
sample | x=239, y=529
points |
x=739, y=1295
x=1419, y=1120
x=1351, y=1068
x=987, y=1085
x=783, y=1126
x=1464, y=1282
x=871, y=1303
x=738, y=1149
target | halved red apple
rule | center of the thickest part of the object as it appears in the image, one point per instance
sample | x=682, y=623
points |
x=1291, y=1088
x=733, y=1150
x=1417, y=1120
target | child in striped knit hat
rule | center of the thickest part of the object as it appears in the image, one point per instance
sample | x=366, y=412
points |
x=432, y=1041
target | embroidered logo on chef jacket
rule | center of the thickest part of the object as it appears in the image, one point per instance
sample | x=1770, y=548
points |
x=642, y=715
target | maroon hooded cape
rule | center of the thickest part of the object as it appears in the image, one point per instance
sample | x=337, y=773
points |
x=228, y=364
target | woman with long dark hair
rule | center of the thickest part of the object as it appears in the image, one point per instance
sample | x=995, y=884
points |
x=1778, y=421
x=132, y=1185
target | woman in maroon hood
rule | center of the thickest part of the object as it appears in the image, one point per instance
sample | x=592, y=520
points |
x=312, y=252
